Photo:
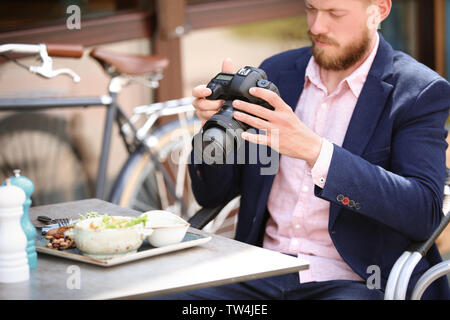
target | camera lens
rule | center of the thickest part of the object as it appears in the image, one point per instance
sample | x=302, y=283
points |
x=216, y=145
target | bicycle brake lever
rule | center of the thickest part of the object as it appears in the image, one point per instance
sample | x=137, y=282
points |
x=76, y=78
x=49, y=73
x=46, y=69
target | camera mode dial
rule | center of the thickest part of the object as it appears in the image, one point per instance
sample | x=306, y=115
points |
x=263, y=84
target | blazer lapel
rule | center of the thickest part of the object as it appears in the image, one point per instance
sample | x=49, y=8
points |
x=367, y=112
x=371, y=101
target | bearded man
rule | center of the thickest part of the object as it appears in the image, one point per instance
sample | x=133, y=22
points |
x=361, y=140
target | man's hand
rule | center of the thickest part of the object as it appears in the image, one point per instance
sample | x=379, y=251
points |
x=284, y=131
x=205, y=109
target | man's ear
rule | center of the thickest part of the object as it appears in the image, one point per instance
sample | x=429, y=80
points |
x=384, y=7
x=378, y=11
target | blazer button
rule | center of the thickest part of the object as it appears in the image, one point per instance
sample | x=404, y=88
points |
x=346, y=201
x=340, y=198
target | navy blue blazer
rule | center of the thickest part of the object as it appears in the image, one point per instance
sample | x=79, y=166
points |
x=392, y=162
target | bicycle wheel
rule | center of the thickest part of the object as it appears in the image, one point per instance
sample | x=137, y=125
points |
x=139, y=187
x=39, y=145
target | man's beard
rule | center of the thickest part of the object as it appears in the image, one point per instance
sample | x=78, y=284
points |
x=349, y=55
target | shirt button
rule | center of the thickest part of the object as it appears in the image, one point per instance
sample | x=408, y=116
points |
x=297, y=226
x=305, y=189
x=324, y=105
x=322, y=180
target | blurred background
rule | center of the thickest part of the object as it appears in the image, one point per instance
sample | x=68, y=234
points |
x=196, y=35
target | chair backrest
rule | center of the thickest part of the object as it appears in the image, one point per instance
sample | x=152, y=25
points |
x=221, y=220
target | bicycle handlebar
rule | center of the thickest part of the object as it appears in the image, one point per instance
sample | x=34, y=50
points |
x=20, y=48
x=53, y=50
x=44, y=52
x=65, y=50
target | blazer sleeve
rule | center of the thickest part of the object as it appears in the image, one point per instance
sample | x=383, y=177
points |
x=213, y=185
x=408, y=198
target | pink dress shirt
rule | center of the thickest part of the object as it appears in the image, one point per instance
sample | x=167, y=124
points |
x=298, y=222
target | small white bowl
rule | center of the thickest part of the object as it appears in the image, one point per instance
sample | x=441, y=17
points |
x=167, y=227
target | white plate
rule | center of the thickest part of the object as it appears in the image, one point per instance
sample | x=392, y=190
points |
x=191, y=239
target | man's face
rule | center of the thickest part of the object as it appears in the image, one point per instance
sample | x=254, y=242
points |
x=339, y=31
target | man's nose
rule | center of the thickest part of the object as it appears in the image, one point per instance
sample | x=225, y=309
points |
x=319, y=24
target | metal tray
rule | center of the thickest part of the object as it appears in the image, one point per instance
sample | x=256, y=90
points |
x=146, y=250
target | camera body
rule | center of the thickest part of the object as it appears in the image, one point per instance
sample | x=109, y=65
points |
x=229, y=87
x=221, y=133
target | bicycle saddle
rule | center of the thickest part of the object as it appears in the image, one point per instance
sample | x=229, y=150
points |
x=131, y=64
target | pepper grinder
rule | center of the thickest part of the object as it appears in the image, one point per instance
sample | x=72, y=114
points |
x=13, y=242
x=30, y=231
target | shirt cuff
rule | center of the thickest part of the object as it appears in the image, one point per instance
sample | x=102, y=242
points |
x=320, y=170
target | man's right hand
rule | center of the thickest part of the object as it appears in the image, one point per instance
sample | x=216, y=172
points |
x=204, y=108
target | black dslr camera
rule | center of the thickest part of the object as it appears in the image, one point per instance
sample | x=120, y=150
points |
x=221, y=134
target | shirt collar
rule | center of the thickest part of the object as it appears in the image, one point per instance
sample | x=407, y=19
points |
x=355, y=80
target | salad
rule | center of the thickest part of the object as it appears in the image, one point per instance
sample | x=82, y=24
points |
x=106, y=221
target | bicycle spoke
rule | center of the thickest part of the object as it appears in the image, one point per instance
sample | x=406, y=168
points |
x=162, y=190
x=150, y=191
x=142, y=206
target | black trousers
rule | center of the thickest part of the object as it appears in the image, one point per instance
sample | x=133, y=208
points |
x=284, y=287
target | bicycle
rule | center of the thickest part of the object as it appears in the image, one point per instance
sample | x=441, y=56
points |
x=154, y=176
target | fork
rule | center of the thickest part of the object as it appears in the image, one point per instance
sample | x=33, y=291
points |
x=62, y=222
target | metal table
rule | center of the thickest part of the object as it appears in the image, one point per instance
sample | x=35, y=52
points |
x=219, y=261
